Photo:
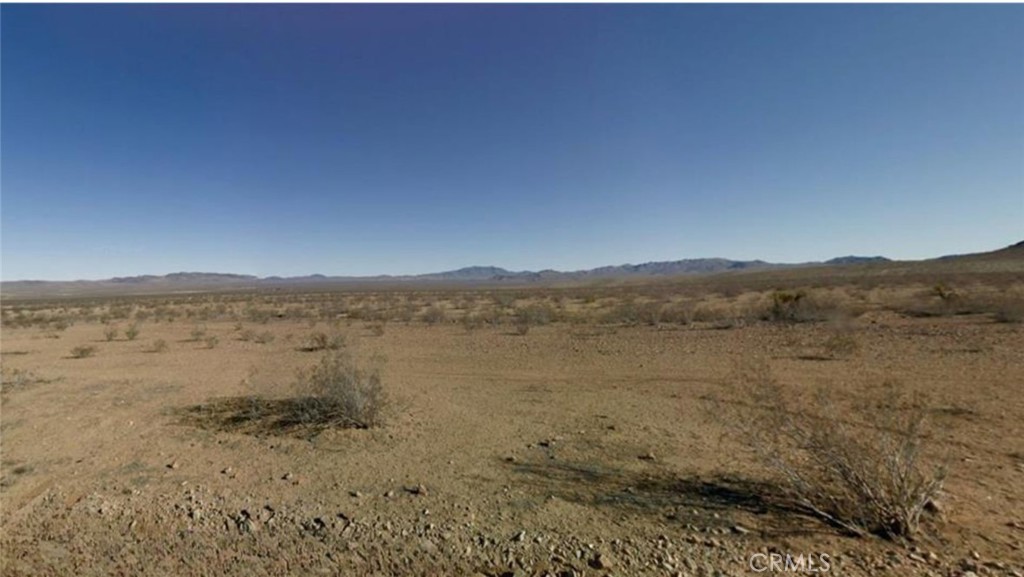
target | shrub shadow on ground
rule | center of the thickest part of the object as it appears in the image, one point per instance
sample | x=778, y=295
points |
x=704, y=502
x=257, y=416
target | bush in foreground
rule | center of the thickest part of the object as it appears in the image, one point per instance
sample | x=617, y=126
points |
x=337, y=392
x=862, y=470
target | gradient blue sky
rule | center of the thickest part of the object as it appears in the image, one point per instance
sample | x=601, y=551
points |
x=348, y=139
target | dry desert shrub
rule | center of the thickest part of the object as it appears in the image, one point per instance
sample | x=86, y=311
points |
x=337, y=392
x=840, y=342
x=651, y=313
x=800, y=306
x=532, y=315
x=14, y=379
x=863, y=470
x=622, y=312
x=83, y=351
x=211, y=341
x=434, y=315
x=321, y=341
x=1010, y=312
x=710, y=312
x=158, y=346
x=132, y=332
x=472, y=321
x=1005, y=306
x=110, y=333
x=678, y=313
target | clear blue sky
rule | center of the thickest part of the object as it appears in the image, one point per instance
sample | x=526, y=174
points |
x=353, y=139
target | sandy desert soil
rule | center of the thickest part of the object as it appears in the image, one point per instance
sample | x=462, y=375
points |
x=575, y=449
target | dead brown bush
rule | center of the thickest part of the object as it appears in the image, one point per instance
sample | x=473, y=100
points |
x=337, y=392
x=862, y=470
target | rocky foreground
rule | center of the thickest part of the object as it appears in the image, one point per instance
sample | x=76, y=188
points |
x=199, y=532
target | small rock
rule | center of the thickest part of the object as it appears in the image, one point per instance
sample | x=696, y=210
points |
x=389, y=494
x=227, y=471
x=519, y=537
x=417, y=490
x=288, y=477
x=649, y=456
x=601, y=561
x=173, y=465
x=740, y=529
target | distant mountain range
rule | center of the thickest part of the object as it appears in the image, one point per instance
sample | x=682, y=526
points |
x=186, y=281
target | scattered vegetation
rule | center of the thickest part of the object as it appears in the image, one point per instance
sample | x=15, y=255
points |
x=110, y=333
x=132, y=332
x=158, y=346
x=14, y=379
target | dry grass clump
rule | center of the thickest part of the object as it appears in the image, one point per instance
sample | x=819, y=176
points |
x=337, y=392
x=532, y=315
x=434, y=315
x=1005, y=306
x=841, y=342
x=1010, y=312
x=14, y=379
x=800, y=306
x=264, y=338
x=472, y=321
x=158, y=346
x=863, y=470
x=132, y=332
x=83, y=351
x=707, y=312
x=110, y=333
x=321, y=341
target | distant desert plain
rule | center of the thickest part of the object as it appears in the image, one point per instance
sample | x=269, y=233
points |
x=855, y=417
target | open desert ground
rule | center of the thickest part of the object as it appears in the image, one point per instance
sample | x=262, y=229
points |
x=529, y=431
